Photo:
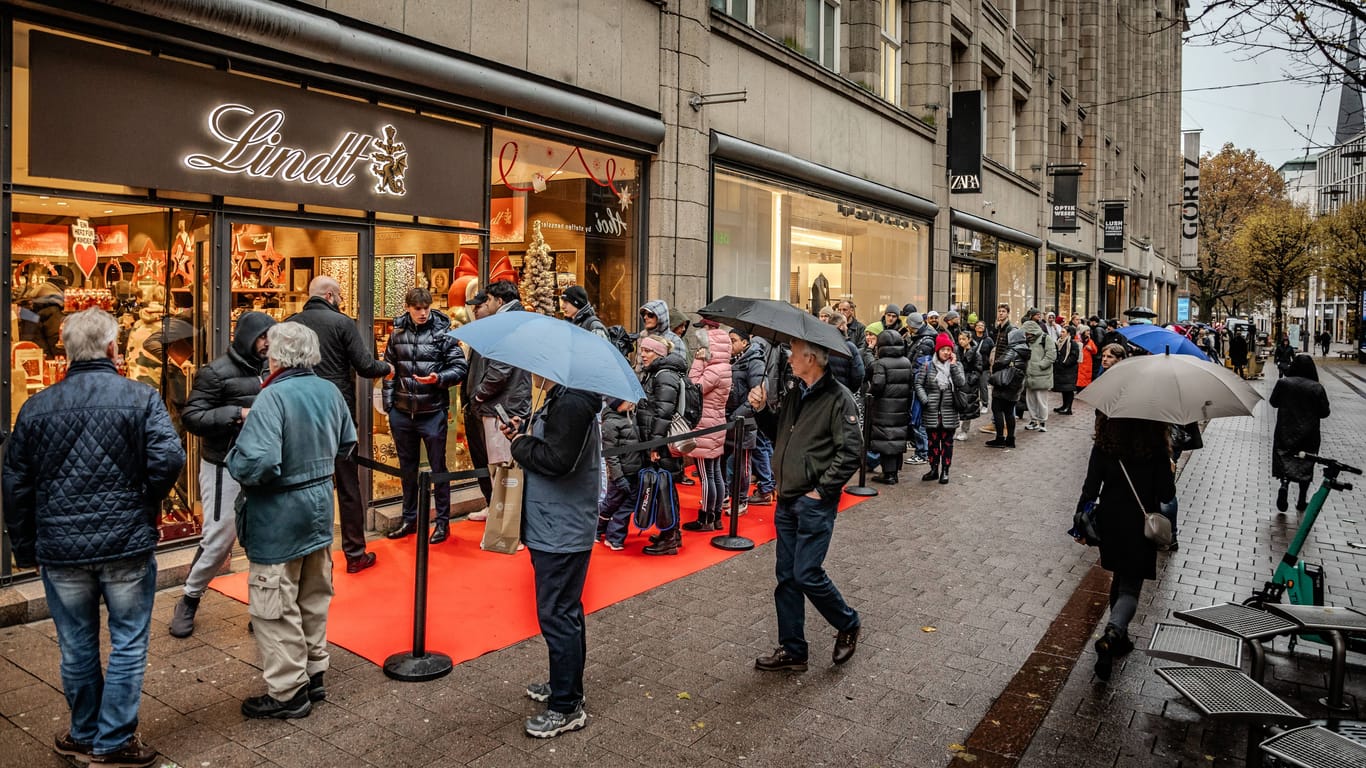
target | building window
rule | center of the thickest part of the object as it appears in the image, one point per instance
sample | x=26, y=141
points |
x=738, y=9
x=811, y=250
x=891, y=51
x=822, y=32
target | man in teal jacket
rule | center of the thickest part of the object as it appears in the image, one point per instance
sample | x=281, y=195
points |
x=284, y=460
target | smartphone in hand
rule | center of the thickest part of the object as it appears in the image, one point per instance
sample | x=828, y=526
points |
x=502, y=414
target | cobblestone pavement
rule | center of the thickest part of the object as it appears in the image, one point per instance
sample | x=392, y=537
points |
x=957, y=584
x=1231, y=539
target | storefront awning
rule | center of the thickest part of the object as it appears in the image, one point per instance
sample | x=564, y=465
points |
x=967, y=220
x=1116, y=269
x=1070, y=252
x=295, y=32
x=741, y=152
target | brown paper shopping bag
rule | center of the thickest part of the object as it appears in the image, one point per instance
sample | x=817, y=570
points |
x=503, y=529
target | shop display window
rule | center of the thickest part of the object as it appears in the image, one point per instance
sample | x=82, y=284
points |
x=447, y=264
x=148, y=267
x=561, y=215
x=772, y=241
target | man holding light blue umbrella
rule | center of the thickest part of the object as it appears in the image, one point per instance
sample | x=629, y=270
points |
x=560, y=450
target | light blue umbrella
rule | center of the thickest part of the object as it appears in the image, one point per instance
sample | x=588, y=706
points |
x=1159, y=340
x=553, y=349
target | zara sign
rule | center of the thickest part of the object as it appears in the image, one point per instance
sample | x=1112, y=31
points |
x=109, y=115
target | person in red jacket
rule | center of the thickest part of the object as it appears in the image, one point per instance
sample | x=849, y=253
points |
x=1089, y=353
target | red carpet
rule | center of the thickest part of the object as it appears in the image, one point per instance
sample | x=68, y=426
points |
x=480, y=601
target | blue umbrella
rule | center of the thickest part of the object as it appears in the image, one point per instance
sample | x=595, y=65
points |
x=1158, y=340
x=553, y=349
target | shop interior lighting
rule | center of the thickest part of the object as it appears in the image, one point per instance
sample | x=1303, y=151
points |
x=813, y=239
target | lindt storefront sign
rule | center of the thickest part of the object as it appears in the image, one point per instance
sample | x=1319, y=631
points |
x=253, y=144
x=115, y=116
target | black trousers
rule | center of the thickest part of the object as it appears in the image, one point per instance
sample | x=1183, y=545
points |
x=479, y=453
x=559, y=610
x=350, y=506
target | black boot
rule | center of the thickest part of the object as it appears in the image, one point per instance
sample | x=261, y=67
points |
x=1282, y=500
x=892, y=478
x=933, y=474
x=668, y=544
x=1010, y=442
x=702, y=523
x=944, y=476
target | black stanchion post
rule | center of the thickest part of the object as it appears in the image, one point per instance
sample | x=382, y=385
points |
x=734, y=542
x=420, y=665
x=862, y=488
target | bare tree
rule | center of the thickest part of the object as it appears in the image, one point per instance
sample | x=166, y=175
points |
x=1344, y=253
x=1314, y=33
x=1233, y=183
x=1277, y=252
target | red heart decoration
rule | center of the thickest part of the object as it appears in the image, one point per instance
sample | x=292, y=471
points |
x=86, y=258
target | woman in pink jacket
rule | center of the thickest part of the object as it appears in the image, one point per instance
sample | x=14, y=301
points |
x=711, y=371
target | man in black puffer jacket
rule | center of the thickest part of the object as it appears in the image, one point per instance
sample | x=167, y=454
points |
x=344, y=355
x=87, y=466
x=218, y=404
x=427, y=362
x=889, y=414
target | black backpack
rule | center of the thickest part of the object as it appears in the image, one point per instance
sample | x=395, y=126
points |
x=692, y=402
x=622, y=339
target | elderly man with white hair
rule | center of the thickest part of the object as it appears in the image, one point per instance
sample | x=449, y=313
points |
x=283, y=459
x=87, y=466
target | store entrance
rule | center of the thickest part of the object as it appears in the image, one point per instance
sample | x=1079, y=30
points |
x=972, y=287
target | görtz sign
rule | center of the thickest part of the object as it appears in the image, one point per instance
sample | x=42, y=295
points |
x=108, y=115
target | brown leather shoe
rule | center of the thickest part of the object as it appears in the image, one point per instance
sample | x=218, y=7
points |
x=65, y=745
x=845, y=645
x=778, y=661
x=133, y=754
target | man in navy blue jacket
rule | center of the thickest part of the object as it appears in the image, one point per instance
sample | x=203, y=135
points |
x=86, y=469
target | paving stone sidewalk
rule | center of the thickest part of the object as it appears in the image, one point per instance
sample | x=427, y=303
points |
x=1231, y=539
x=956, y=583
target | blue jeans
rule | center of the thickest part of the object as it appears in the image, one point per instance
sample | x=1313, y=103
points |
x=921, y=439
x=804, y=526
x=761, y=459
x=615, y=509
x=410, y=433
x=104, y=704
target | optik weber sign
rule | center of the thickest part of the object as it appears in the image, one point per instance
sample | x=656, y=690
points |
x=108, y=115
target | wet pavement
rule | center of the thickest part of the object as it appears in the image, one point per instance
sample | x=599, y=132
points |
x=975, y=604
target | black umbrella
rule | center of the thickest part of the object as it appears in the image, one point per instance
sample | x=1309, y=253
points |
x=1139, y=312
x=775, y=320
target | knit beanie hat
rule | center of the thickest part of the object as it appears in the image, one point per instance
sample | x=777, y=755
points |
x=950, y=315
x=654, y=344
x=915, y=320
x=576, y=295
x=941, y=341
x=892, y=309
x=874, y=327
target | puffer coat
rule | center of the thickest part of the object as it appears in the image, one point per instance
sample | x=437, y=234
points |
x=1087, y=363
x=1300, y=402
x=712, y=374
x=421, y=350
x=662, y=381
x=746, y=373
x=86, y=468
x=891, y=389
x=1014, y=355
x=1065, y=367
x=226, y=386
x=1042, y=352
x=940, y=410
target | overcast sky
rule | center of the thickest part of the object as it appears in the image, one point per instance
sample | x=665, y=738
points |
x=1276, y=120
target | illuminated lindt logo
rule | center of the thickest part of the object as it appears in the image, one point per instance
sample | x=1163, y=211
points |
x=253, y=145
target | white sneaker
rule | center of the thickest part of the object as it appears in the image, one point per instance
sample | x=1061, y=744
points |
x=1042, y=427
x=479, y=516
x=986, y=409
x=1032, y=425
x=961, y=436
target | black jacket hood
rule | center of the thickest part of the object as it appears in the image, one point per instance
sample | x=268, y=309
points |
x=250, y=326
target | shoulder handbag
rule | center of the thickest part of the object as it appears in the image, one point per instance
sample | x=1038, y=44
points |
x=1156, y=527
x=679, y=426
x=1003, y=378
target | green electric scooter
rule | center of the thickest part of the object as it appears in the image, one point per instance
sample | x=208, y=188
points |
x=1301, y=581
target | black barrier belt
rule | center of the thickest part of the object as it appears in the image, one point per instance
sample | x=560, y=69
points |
x=663, y=441
x=470, y=474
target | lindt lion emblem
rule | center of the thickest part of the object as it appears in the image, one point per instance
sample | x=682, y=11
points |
x=390, y=163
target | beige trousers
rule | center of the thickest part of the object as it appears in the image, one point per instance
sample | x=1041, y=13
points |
x=288, y=605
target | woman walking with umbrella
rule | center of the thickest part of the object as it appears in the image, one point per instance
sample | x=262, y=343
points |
x=1300, y=402
x=1130, y=471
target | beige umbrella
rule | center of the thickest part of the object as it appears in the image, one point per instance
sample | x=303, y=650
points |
x=1176, y=389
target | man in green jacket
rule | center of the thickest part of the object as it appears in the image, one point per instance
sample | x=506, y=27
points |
x=284, y=460
x=816, y=450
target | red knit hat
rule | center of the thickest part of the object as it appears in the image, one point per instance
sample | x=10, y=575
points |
x=941, y=341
